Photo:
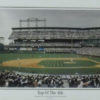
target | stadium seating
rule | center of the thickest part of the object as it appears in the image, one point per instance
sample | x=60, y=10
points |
x=19, y=79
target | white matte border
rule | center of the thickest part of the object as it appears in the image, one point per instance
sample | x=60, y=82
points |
x=50, y=3
x=68, y=94
x=48, y=94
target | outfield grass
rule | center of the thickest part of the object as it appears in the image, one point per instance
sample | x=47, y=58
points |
x=12, y=56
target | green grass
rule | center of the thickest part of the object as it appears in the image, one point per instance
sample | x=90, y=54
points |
x=61, y=63
x=12, y=56
x=54, y=71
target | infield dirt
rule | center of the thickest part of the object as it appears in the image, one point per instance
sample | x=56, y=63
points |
x=34, y=63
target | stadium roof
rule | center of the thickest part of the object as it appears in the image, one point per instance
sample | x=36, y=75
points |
x=73, y=28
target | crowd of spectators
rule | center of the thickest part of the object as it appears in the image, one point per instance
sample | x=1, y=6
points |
x=84, y=81
x=13, y=79
x=92, y=51
x=17, y=79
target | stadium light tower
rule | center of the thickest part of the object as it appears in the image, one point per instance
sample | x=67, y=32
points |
x=30, y=20
x=22, y=21
x=40, y=20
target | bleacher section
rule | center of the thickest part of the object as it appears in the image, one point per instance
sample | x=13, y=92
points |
x=56, y=39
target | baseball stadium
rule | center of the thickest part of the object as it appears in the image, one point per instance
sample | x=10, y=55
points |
x=53, y=50
x=50, y=56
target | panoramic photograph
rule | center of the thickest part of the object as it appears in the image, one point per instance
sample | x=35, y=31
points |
x=46, y=48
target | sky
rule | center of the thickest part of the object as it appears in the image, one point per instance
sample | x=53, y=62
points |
x=9, y=18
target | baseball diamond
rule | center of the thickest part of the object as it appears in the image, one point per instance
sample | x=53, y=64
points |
x=50, y=63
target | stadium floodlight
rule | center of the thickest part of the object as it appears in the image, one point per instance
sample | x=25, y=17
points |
x=32, y=19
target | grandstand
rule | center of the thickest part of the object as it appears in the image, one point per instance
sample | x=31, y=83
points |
x=55, y=39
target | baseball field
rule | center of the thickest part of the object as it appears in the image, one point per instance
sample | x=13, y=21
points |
x=52, y=63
